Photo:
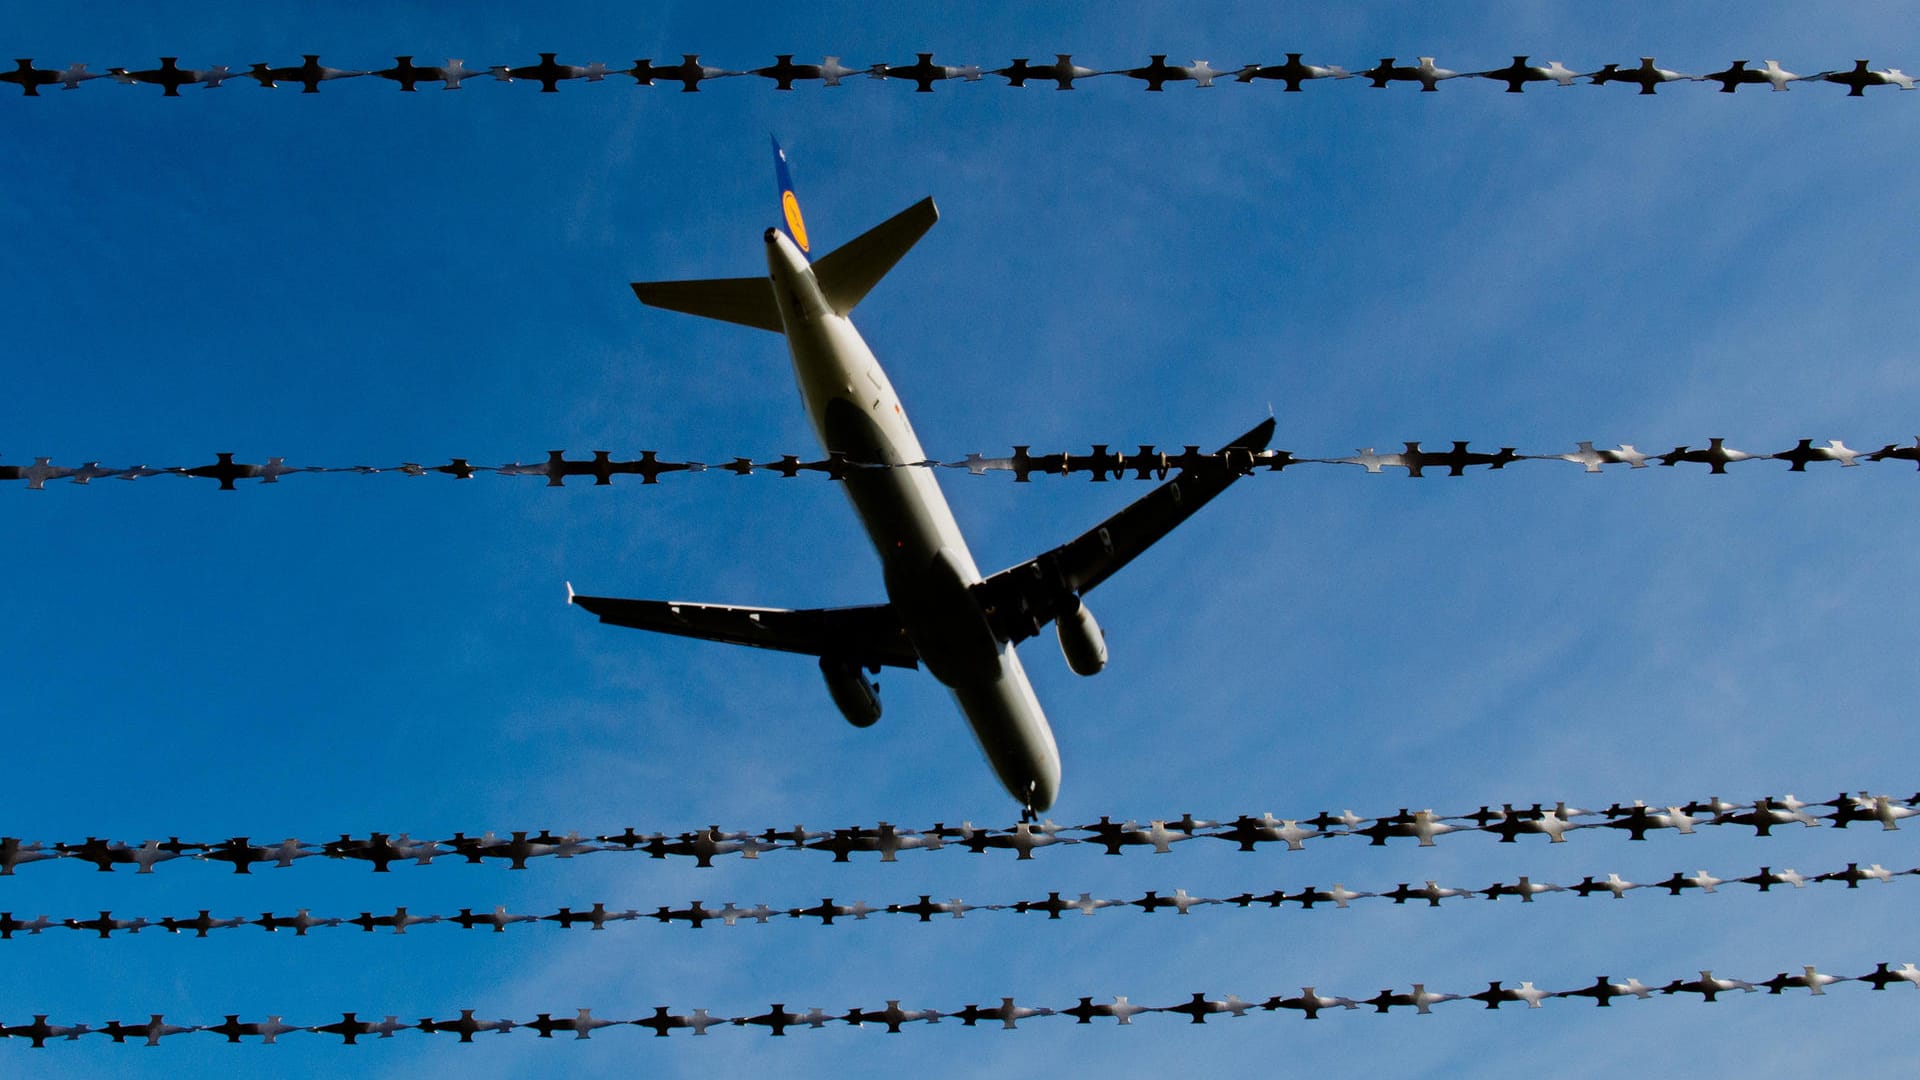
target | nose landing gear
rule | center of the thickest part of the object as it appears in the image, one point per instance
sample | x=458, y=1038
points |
x=1027, y=814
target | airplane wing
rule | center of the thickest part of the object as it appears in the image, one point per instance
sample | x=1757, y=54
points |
x=1021, y=600
x=869, y=635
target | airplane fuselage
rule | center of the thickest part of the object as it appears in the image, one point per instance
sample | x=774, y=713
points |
x=928, y=571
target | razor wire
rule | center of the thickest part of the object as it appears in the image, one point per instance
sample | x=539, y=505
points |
x=1006, y=1015
x=697, y=914
x=1246, y=832
x=548, y=72
x=1101, y=463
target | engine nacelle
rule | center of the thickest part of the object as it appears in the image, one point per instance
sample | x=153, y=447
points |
x=858, y=699
x=1081, y=640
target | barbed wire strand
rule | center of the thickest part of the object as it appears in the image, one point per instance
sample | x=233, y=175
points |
x=697, y=915
x=923, y=73
x=1101, y=463
x=1508, y=823
x=1007, y=1014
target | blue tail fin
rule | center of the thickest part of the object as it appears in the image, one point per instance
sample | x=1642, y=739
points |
x=789, y=203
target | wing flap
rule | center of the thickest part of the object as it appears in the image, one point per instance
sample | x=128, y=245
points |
x=870, y=635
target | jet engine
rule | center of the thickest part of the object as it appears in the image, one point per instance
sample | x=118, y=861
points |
x=1081, y=640
x=858, y=699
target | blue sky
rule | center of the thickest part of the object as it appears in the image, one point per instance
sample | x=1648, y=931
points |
x=361, y=276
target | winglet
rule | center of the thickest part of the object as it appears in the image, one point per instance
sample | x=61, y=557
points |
x=789, y=202
x=569, y=593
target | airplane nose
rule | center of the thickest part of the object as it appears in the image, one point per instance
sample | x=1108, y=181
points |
x=1046, y=786
x=768, y=235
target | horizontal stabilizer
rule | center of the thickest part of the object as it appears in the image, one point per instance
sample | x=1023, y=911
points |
x=848, y=272
x=746, y=301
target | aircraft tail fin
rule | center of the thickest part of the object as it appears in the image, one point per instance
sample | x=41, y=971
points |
x=847, y=273
x=789, y=202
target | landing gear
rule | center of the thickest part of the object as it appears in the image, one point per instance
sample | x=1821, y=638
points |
x=1028, y=816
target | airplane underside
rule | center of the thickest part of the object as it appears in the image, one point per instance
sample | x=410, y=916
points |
x=940, y=610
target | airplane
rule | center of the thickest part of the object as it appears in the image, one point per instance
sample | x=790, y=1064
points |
x=1495, y=994
x=1679, y=882
x=662, y=1022
x=1426, y=74
x=1707, y=986
x=1594, y=459
x=268, y=1031
x=1835, y=450
x=1061, y=72
x=498, y=918
x=1526, y=889
x=399, y=920
x=1420, y=1000
x=10, y=926
x=243, y=854
x=226, y=470
x=1604, y=990
x=106, y=924
x=15, y=852
x=309, y=74
x=1717, y=456
x=923, y=72
x=407, y=74
x=1006, y=1012
x=598, y=918
x=171, y=76
x=1200, y=1007
x=689, y=72
x=1519, y=73
x=1293, y=72
x=892, y=1016
x=940, y=610
x=1121, y=1010
x=1767, y=878
x=466, y=1026
x=1647, y=76
x=1310, y=1003
x=300, y=922
x=1158, y=72
x=927, y=909
x=582, y=1025
x=37, y=474
x=156, y=1029
x=30, y=79
x=784, y=71
x=40, y=1031
x=1340, y=896
x=1813, y=980
x=349, y=1027
x=1855, y=80
x=1739, y=74
x=201, y=923
x=549, y=72
x=1865, y=807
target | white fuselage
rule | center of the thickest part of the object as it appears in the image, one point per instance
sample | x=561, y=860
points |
x=924, y=559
